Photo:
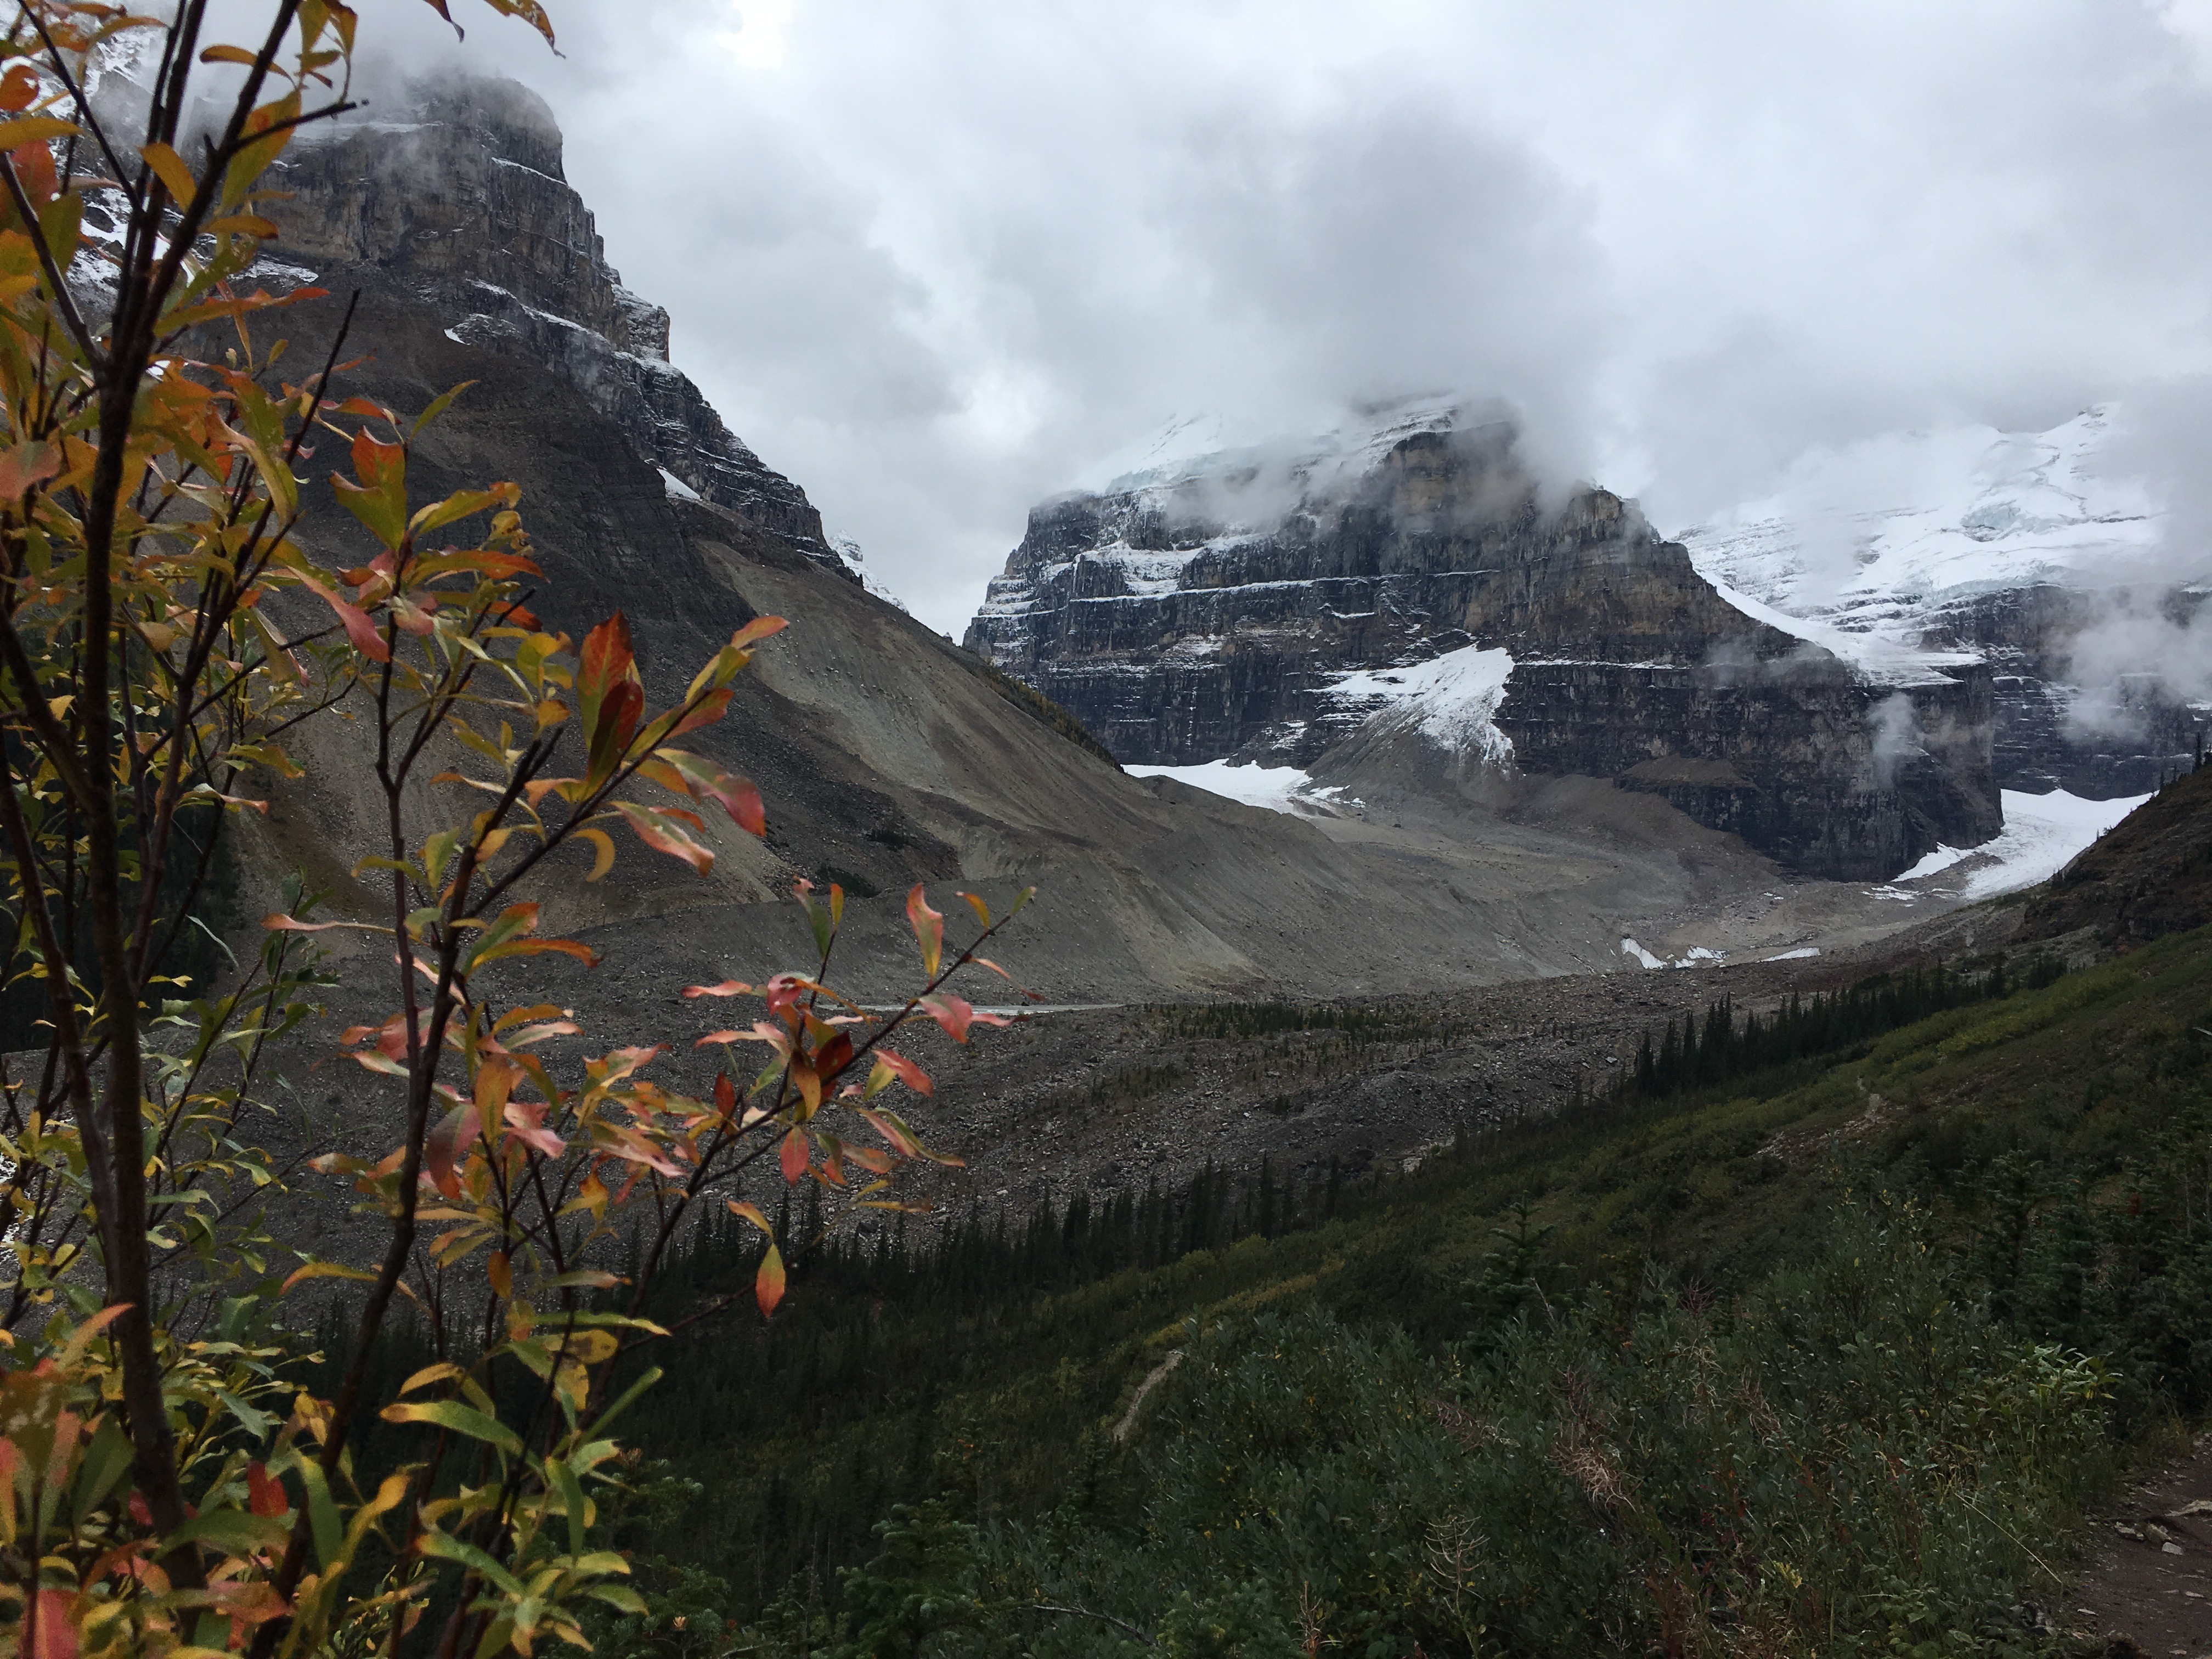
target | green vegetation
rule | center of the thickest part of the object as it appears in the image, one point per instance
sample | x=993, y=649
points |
x=1818, y=1358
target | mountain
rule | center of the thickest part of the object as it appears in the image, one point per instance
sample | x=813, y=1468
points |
x=886, y=755
x=2037, y=551
x=1403, y=595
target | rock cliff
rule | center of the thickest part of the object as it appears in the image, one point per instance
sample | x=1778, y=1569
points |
x=459, y=202
x=1320, y=605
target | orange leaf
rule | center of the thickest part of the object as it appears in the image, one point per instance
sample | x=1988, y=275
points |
x=751, y=1212
x=792, y=1155
x=758, y=628
x=26, y=466
x=728, y=988
x=928, y=930
x=767, y=1283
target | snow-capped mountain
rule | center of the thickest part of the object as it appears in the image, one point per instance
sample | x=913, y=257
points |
x=1398, y=588
x=2026, y=549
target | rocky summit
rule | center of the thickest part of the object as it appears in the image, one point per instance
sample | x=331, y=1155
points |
x=1404, y=594
x=460, y=202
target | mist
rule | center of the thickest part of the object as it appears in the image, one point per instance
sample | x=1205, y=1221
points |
x=937, y=261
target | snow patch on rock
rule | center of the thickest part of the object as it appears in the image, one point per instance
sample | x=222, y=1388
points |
x=1278, y=788
x=1452, y=699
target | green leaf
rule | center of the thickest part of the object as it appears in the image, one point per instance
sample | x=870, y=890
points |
x=461, y=1419
x=235, y=1532
x=438, y=405
x=628, y=1396
x=572, y=1497
x=445, y=1546
x=322, y=1515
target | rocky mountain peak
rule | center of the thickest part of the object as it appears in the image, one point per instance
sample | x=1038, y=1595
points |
x=458, y=200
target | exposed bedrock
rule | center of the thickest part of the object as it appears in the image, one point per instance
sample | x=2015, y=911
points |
x=461, y=203
x=2125, y=738
x=1217, y=607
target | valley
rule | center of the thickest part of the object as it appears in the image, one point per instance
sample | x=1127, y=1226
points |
x=1545, y=1086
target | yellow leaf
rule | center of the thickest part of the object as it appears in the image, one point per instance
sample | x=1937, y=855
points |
x=169, y=167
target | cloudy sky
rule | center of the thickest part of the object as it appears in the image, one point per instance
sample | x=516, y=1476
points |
x=936, y=260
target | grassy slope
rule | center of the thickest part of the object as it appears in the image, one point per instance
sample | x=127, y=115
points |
x=1003, y=1402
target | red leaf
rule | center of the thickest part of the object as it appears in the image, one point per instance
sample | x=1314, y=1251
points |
x=953, y=1013
x=893, y=1132
x=264, y=1495
x=767, y=1283
x=447, y=1145
x=605, y=663
x=792, y=1155
x=527, y=1120
x=904, y=1070
x=360, y=630
x=56, y=1637
x=725, y=1096
x=658, y=829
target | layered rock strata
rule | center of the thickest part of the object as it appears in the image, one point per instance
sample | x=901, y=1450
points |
x=1255, y=605
x=461, y=203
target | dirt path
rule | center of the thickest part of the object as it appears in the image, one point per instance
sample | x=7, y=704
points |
x=2146, y=1586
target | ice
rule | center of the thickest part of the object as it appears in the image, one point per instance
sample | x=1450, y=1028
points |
x=1875, y=537
x=1935, y=863
x=1278, y=788
x=1696, y=956
x=2042, y=835
x=1452, y=698
x=1798, y=954
x=676, y=486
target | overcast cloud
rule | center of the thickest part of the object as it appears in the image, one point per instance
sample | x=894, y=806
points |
x=935, y=260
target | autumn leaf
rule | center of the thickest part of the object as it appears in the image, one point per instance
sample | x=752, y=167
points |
x=928, y=930
x=768, y=1282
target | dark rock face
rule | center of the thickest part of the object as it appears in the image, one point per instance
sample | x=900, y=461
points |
x=2139, y=733
x=1211, y=613
x=462, y=205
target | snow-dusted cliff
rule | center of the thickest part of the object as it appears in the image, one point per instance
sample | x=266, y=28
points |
x=2033, y=550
